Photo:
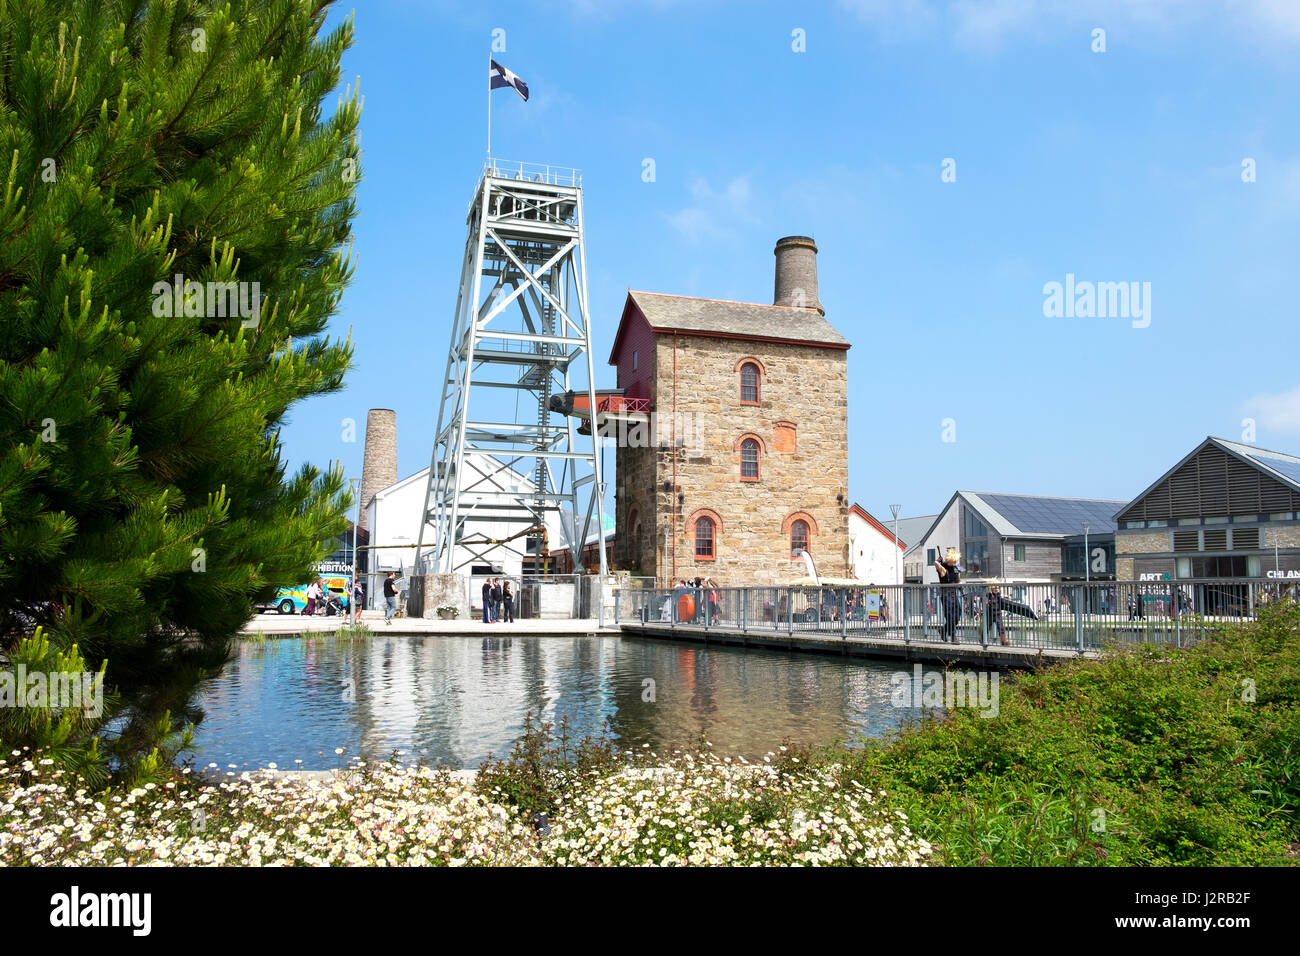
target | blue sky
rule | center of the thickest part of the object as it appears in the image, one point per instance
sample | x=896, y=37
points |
x=1116, y=166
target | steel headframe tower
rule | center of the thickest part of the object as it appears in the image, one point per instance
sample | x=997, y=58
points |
x=520, y=330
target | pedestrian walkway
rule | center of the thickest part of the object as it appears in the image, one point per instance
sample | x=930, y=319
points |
x=272, y=624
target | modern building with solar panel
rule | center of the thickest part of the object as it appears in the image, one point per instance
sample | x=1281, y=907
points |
x=1024, y=538
x=1227, y=510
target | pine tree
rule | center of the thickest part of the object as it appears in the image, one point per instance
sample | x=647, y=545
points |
x=147, y=145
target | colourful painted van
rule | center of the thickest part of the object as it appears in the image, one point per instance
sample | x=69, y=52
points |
x=294, y=600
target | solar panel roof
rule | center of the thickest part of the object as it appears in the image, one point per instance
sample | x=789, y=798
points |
x=1034, y=515
x=1284, y=464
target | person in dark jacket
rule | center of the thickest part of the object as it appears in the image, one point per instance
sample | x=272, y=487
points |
x=508, y=602
x=948, y=574
x=390, y=597
x=487, y=601
x=993, y=611
x=496, y=599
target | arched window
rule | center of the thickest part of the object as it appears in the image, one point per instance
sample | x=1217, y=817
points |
x=798, y=537
x=749, y=460
x=704, y=539
x=749, y=384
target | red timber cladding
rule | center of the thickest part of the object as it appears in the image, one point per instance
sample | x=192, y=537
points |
x=638, y=337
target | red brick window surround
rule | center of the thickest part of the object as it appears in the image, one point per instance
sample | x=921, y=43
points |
x=799, y=528
x=749, y=384
x=704, y=550
x=704, y=526
x=798, y=537
x=749, y=460
x=751, y=372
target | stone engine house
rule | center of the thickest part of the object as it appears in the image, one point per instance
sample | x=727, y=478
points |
x=738, y=452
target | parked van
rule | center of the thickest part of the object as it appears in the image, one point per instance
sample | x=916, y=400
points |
x=294, y=600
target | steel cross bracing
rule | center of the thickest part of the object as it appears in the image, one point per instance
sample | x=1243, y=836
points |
x=521, y=333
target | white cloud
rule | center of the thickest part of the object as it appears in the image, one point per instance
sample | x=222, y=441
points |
x=985, y=25
x=1280, y=412
x=715, y=214
x=894, y=17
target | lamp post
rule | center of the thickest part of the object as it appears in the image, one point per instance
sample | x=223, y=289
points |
x=354, y=486
x=1087, y=571
x=898, y=578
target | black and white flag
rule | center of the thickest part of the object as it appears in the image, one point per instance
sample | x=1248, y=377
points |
x=499, y=76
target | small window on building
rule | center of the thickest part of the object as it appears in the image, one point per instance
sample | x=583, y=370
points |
x=749, y=384
x=634, y=359
x=1020, y=552
x=798, y=537
x=749, y=460
x=929, y=556
x=704, y=539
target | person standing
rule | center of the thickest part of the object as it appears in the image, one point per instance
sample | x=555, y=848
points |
x=497, y=596
x=993, y=610
x=313, y=593
x=390, y=597
x=508, y=602
x=487, y=601
x=358, y=601
x=948, y=596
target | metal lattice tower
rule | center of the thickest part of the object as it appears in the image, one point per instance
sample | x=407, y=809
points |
x=521, y=327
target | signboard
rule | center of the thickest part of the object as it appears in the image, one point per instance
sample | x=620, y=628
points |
x=333, y=567
x=871, y=604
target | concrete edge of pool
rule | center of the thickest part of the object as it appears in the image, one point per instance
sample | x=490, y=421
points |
x=291, y=626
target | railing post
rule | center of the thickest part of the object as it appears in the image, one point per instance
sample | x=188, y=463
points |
x=1174, y=612
x=744, y=609
x=907, y=618
x=844, y=621
x=789, y=608
x=1078, y=620
x=984, y=618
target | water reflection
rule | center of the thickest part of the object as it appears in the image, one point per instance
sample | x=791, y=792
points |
x=455, y=699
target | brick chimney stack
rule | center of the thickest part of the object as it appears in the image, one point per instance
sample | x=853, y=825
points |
x=379, y=458
x=796, y=273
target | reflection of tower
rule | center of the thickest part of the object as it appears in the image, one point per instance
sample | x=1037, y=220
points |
x=515, y=340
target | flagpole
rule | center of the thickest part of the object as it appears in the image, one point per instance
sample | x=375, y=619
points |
x=489, y=152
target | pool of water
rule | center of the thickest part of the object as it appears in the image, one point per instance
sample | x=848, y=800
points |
x=454, y=700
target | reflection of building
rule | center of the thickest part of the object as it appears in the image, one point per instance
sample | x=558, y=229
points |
x=1226, y=510
x=746, y=456
x=1022, y=537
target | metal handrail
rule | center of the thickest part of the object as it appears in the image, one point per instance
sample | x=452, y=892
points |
x=1062, y=616
x=518, y=170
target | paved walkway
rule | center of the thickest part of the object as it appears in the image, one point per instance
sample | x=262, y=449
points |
x=858, y=645
x=274, y=624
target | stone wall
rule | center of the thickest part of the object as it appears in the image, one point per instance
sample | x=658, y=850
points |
x=1141, y=542
x=1282, y=536
x=443, y=590
x=803, y=395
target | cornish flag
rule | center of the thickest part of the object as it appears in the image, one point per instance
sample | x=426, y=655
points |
x=500, y=76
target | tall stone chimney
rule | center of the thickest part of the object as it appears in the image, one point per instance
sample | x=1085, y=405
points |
x=379, y=458
x=796, y=273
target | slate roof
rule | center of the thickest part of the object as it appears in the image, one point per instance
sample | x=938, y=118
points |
x=747, y=319
x=912, y=530
x=1033, y=515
